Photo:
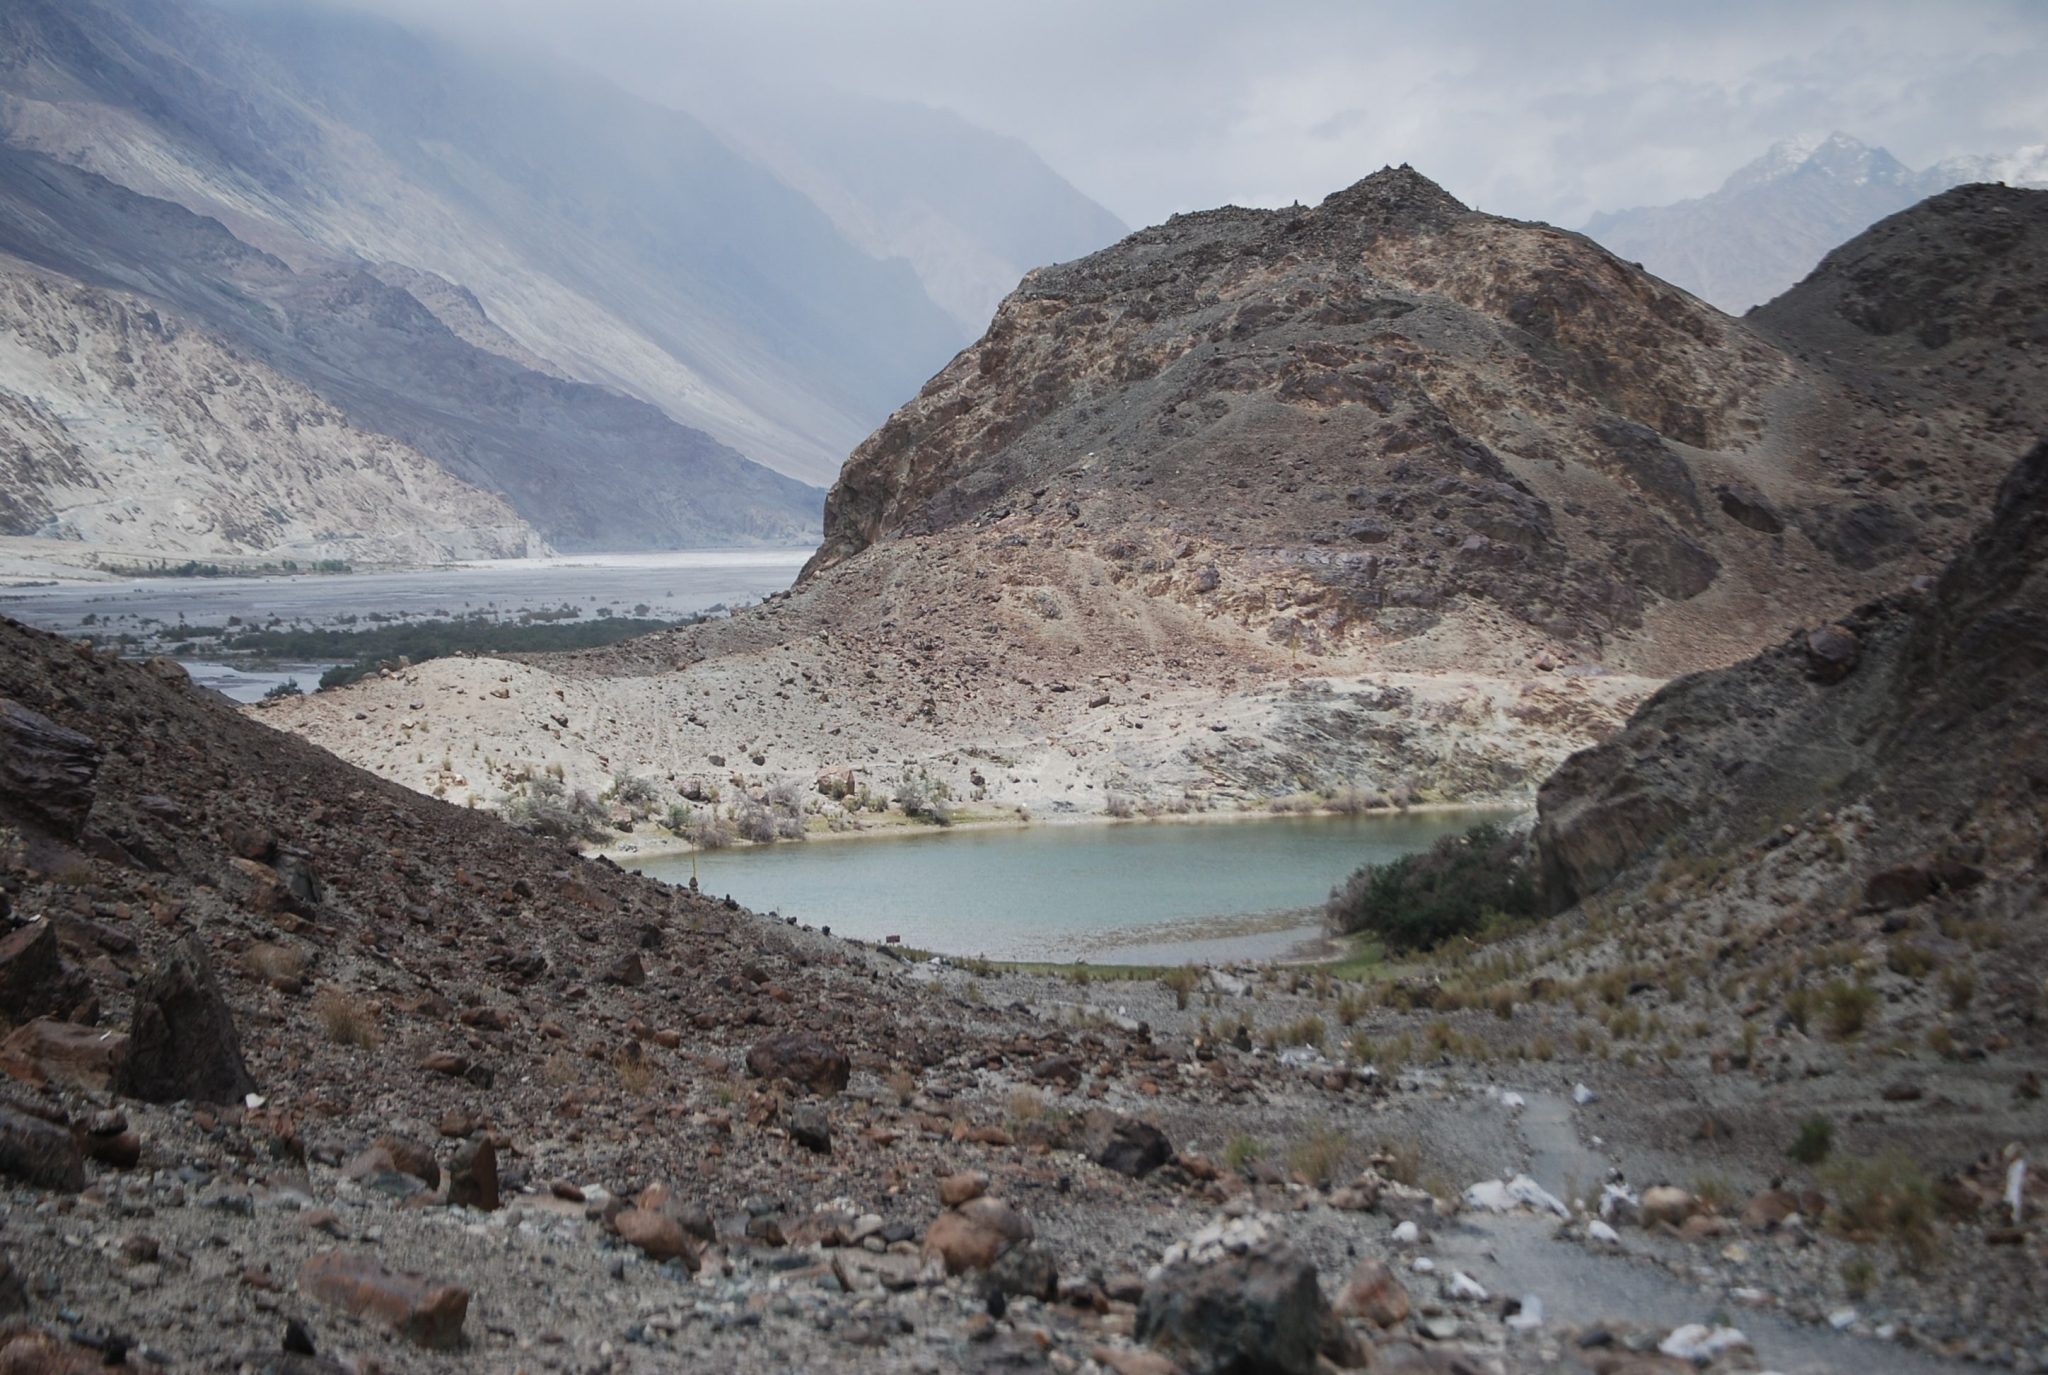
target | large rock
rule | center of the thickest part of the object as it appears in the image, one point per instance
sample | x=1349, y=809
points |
x=182, y=1043
x=80, y=1057
x=1259, y=1312
x=658, y=1236
x=34, y=980
x=418, y=1309
x=39, y=1153
x=1372, y=1292
x=802, y=1059
x=1124, y=1144
x=46, y=770
x=975, y=1235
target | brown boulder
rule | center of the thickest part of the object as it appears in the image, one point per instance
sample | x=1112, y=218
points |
x=659, y=1236
x=396, y=1155
x=1373, y=1293
x=1769, y=1209
x=182, y=1044
x=975, y=1235
x=802, y=1059
x=419, y=1310
x=1831, y=653
x=956, y=1189
x=81, y=1057
x=1664, y=1203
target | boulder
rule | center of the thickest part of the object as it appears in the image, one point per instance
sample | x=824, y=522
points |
x=182, y=1044
x=47, y=771
x=975, y=1235
x=39, y=1153
x=1373, y=1293
x=658, y=1236
x=1124, y=1144
x=396, y=1155
x=473, y=1175
x=810, y=1128
x=1259, y=1312
x=80, y=1057
x=1831, y=653
x=34, y=980
x=421, y=1311
x=956, y=1189
x=1024, y=1271
x=1666, y=1203
x=802, y=1059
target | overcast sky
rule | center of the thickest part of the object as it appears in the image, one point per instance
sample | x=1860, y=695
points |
x=1540, y=110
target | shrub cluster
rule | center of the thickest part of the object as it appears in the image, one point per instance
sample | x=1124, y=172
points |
x=1452, y=889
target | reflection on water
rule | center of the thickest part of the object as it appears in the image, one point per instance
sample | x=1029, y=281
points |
x=1138, y=893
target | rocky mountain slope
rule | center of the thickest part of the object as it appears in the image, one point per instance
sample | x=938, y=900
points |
x=1908, y=729
x=589, y=467
x=1771, y=221
x=1385, y=495
x=121, y=427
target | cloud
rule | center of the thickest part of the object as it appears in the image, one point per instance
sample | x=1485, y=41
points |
x=1546, y=111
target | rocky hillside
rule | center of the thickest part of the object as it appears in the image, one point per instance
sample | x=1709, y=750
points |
x=1384, y=495
x=120, y=427
x=1907, y=730
x=1771, y=221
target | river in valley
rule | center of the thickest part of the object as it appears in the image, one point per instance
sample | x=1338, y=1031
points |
x=1126, y=892
x=664, y=586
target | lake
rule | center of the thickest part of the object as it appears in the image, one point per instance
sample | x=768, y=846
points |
x=1135, y=892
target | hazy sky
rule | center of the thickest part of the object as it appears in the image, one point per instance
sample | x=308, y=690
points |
x=1542, y=110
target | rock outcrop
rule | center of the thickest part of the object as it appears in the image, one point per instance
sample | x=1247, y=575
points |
x=1929, y=733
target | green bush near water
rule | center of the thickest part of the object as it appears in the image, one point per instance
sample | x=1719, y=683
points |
x=1452, y=889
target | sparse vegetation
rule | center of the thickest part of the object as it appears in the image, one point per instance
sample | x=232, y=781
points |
x=1815, y=1140
x=346, y=1020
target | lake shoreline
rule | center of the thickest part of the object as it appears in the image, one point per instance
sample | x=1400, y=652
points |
x=675, y=848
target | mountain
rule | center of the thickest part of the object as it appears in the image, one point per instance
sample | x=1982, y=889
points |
x=970, y=212
x=1384, y=495
x=121, y=429
x=1771, y=221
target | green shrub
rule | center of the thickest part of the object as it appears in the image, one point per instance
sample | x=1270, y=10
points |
x=1816, y=1138
x=1452, y=889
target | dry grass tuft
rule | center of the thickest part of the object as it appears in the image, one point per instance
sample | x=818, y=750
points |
x=348, y=1021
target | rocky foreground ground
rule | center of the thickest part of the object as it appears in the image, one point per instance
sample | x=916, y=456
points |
x=313, y=1072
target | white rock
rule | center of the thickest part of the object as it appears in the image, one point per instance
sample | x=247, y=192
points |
x=1583, y=1095
x=1422, y=1265
x=1596, y=1230
x=1463, y=1287
x=2016, y=1187
x=1512, y=1101
x=1618, y=1203
x=1530, y=1317
x=1842, y=1319
x=1407, y=1234
x=1698, y=1342
x=1504, y=1196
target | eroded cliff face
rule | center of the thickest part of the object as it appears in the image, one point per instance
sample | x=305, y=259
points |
x=123, y=427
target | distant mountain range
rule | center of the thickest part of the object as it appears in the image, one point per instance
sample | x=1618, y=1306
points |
x=1770, y=223
x=631, y=330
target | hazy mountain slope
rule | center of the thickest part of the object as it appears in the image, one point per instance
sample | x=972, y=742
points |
x=1772, y=220
x=970, y=211
x=590, y=468
x=121, y=427
x=621, y=241
x=1385, y=494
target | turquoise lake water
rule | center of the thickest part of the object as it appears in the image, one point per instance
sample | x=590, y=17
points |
x=1144, y=892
